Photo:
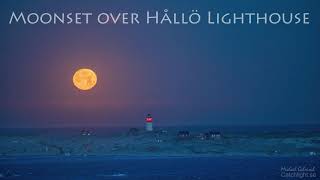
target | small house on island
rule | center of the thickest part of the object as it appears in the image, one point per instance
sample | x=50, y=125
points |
x=183, y=135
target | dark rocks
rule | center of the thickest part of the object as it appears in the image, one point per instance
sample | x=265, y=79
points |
x=133, y=132
x=153, y=148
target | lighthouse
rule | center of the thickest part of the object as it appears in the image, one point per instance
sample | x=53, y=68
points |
x=149, y=123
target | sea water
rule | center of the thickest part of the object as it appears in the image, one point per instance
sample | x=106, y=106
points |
x=260, y=152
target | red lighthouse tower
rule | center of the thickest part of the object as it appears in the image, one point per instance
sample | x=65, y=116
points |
x=149, y=120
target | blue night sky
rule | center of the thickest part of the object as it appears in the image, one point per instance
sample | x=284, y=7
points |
x=182, y=74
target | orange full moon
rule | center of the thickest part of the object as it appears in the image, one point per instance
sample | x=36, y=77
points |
x=84, y=79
